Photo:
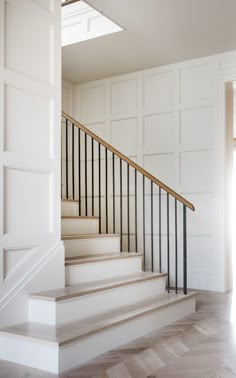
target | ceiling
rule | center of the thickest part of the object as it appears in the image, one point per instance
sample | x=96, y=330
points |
x=157, y=32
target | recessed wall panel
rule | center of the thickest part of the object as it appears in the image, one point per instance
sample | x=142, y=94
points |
x=124, y=136
x=124, y=97
x=159, y=133
x=201, y=254
x=197, y=127
x=197, y=171
x=158, y=93
x=162, y=166
x=27, y=201
x=23, y=131
x=203, y=220
x=197, y=84
x=92, y=104
x=24, y=35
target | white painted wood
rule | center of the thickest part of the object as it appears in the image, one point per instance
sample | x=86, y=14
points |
x=30, y=107
x=30, y=352
x=82, y=307
x=114, y=337
x=79, y=226
x=80, y=247
x=48, y=356
x=69, y=208
x=102, y=270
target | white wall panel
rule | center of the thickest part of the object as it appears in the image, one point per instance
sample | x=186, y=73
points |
x=198, y=84
x=197, y=171
x=92, y=104
x=13, y=258
x=197, y=127
x=27, y=200
x=124, y=97
x=158, y=93
x=127, y=127
x=159, y=133
x=30, y=141
x=22, y=126
x=162, y=166
x=27, y=30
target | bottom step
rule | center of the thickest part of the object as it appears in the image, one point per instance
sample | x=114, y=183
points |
x=57, y=349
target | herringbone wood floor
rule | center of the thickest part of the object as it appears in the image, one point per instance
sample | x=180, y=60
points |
x=201, y=345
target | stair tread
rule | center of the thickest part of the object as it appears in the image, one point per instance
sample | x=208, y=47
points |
x=81, y=289
x=64, y=217
x=69, y=333
x=100, y=257
x=89, y=236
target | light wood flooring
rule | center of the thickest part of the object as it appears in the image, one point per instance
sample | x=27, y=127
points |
x=201, y=345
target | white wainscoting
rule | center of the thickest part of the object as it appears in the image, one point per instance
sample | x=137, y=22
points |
x=171, y=121
x=30, y=105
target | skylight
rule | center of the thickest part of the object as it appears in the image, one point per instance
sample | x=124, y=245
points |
x=81, y=22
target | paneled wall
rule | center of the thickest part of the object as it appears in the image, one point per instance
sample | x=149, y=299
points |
x=30, y=86
x=170, y=120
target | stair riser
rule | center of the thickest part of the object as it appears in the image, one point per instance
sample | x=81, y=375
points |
x=79, y=226
x=48, y=357
x=79, y=247
x=102, y=270
x=70, y=208
x=82, y=307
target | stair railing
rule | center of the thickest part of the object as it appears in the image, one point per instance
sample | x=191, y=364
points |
x=94, y=173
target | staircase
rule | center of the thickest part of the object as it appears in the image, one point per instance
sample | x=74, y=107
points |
x=112, y=295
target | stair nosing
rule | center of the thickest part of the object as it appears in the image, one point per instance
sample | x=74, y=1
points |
x=68, y=200
x=89, y=236
x=126, y=317
x=129, y=317
x=68, y=217
x=89, y=260
x=96, y=290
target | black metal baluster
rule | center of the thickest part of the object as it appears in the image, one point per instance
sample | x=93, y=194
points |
x=79, y=163
x=136, y=205
x=176, y=247
x=92, y=173
x=106, y=186
x=73, y=162
x=86, y=175
x=168, y=242
x=185, y=250
x=121, y=202
x=144, y=236
x=160, y=257
x=67, y=152
x=152, y=260
x=128, y=220
x=99, y=187
x=113, y=186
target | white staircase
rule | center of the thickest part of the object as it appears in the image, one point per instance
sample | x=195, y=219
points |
x=108, y=301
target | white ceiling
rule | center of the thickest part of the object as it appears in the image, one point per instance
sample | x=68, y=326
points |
x=157, y=32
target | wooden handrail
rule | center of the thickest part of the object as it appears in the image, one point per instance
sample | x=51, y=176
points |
x=130, y=162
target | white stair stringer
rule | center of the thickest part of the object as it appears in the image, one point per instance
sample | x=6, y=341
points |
x=76, y=245
x=78, y=302
x=56, y=349
x=93, y=268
